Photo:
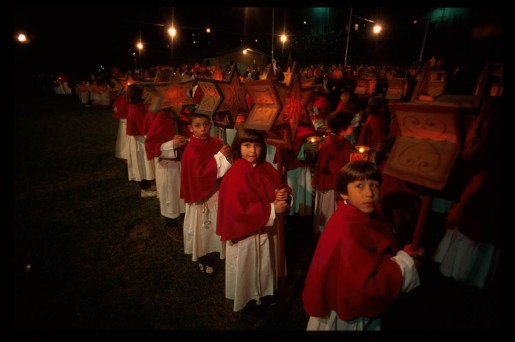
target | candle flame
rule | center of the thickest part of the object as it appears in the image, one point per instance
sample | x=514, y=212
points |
x=361, y=150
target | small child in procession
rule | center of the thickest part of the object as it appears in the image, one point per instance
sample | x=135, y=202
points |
x=164, y=143
x=358, y=268
x=204, y=161
x=250, y=197
x=334, y=152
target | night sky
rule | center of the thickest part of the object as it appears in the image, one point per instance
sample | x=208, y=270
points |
x=81, y=38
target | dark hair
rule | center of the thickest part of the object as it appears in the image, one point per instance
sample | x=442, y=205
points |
x=244, y=135
x=375, y=105
x=356, y=170
x=383, y=149
x=198, y=115
x=340, y=120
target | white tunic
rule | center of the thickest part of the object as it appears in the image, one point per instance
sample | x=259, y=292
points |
x=251, y=268
x=121, y=146
x=138, y=167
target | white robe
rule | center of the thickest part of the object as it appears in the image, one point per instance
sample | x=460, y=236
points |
x=251, y=268
x=121, y=146
x=199, y=230
x=138, y=167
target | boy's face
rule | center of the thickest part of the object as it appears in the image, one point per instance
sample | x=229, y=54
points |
x=251, y=151
x=362, y=194
x=200, y=127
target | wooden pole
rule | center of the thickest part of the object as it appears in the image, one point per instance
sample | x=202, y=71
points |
x=417, y=236
x=280, y=233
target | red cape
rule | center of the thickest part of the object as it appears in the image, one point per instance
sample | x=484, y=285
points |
x=373, y=131
x=351, y=271
x=162, y=129
x=149, y=118
x=120, y=107
x=244, y=199
x=198, y=169
x=333, y=155
x=136, y=118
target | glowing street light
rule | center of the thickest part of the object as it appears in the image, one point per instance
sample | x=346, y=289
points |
x=139, y=46
x=22, y=38
x=376, y=30
x=172, y=32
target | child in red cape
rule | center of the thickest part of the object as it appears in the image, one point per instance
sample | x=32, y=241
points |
x=250, y=196
x=357, y=269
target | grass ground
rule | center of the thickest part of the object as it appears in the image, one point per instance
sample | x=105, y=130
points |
x=90, y=253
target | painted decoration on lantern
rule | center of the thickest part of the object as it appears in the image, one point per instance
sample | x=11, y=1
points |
x=431, y=122
x=294, y=101
x=266, y=105
x=427, y=146
x=212, y=97
x=233, y=96
x=422, y=161
x=174, y=94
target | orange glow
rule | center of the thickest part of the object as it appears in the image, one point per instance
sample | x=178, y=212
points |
x=360, y=152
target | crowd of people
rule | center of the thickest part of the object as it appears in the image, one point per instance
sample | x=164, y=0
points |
x=220, y=196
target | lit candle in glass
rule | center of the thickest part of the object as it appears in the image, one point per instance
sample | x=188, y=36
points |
x=360, y=152
x=314, y=139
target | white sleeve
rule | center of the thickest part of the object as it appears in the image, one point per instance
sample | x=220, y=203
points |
x=222, y=164
x=168, y=150
x=272, y=215
x=410, y=278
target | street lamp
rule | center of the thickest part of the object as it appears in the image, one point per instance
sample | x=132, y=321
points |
x=247, y=50
x=22, y=38
x=376, y=30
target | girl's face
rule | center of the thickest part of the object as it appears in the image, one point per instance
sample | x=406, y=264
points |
x=362, y=194
x=200, y=127
x=251, y=151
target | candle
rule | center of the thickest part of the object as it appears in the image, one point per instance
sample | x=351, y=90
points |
x=360, y=152
x=313, y=139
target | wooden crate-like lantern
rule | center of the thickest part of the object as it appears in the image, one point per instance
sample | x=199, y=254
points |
x=212, y=97
x=266, y=105
x=174, y=94
x=233, y=100
x=427, y=145
x=396, y=89
x=362, y=86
